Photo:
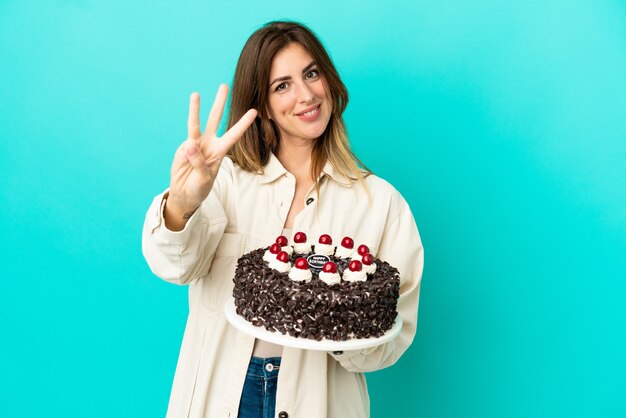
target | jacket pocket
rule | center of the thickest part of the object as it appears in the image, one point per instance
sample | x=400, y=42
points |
x=231, y=245
x=219, y=287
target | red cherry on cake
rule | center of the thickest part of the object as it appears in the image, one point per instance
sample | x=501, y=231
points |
x=282, y=240
x=301, y=263
x=362, y=250
x=367, y=259
x=274, y=248
x=330, y=267
x=282, y=257
x=355, y=265
x=299, y=238
x=326, y=239
x=347, y=242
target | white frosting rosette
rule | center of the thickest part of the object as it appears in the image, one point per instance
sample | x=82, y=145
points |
x=301, y=247
x=301, y=243
x=268, y=256
x=287, y=249
x=324, y=249
x=278, y=265
x=369, y=269
x=343, y=252
x=330, y=278
x=354, y=276
x=300, y=275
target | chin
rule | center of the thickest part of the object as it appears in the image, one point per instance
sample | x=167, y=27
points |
x=315, y=134
x=319, y=130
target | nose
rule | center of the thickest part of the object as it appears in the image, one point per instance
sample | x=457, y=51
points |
x=304, y=93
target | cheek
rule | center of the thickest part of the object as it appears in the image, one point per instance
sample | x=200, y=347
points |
x=319, y=90
x=279, y=105
x=323, y=89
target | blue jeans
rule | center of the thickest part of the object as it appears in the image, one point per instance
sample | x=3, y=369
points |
x=258, y=399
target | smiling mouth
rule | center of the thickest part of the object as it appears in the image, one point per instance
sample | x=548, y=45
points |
x=309, y=112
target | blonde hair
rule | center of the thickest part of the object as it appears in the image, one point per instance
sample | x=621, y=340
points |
x=251, y=90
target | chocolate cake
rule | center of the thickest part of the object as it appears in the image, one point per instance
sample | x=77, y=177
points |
x=317, y=292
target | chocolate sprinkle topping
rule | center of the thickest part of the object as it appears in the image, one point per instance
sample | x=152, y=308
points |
x=315, y=310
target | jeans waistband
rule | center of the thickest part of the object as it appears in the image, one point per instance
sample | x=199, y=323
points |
x=264, y=367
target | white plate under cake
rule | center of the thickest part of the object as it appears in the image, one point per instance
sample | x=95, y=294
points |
x=317, y=292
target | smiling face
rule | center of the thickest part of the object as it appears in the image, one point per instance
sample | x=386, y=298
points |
x=298, y=101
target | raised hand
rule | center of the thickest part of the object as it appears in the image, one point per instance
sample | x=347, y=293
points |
x=197, y=160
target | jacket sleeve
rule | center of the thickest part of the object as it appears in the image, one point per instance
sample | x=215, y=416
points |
x=401, y=247
x=182, y=257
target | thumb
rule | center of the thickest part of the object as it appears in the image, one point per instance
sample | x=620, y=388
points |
x=194, y=156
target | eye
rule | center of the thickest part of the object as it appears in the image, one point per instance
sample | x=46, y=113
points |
x=281, y=87
x=312, y=74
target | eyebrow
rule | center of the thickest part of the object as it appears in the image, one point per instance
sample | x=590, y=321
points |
x=287, y=77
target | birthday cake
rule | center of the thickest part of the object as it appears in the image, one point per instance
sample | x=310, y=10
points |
x=317, y=291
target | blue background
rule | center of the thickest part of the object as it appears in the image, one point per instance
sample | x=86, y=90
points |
x=502, y=123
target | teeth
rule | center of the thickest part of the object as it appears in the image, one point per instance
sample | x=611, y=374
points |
x=310, y=113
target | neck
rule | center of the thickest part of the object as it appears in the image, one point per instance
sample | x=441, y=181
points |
x=295, y=156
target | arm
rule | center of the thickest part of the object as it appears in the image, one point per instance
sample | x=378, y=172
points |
x=181, y=247
x=401, y=247
x=183, y=256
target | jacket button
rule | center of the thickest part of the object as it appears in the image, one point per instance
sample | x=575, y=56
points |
x=337, y=353
x=309, y=201
x=283, y=414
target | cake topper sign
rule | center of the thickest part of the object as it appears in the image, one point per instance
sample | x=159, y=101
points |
x=317, y=261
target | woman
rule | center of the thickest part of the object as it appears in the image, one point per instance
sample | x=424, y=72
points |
x=289, y=168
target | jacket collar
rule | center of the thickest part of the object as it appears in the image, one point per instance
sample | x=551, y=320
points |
x=330, y=171
x=274, y=169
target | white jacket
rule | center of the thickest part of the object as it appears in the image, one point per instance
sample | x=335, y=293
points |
x=245, y=211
